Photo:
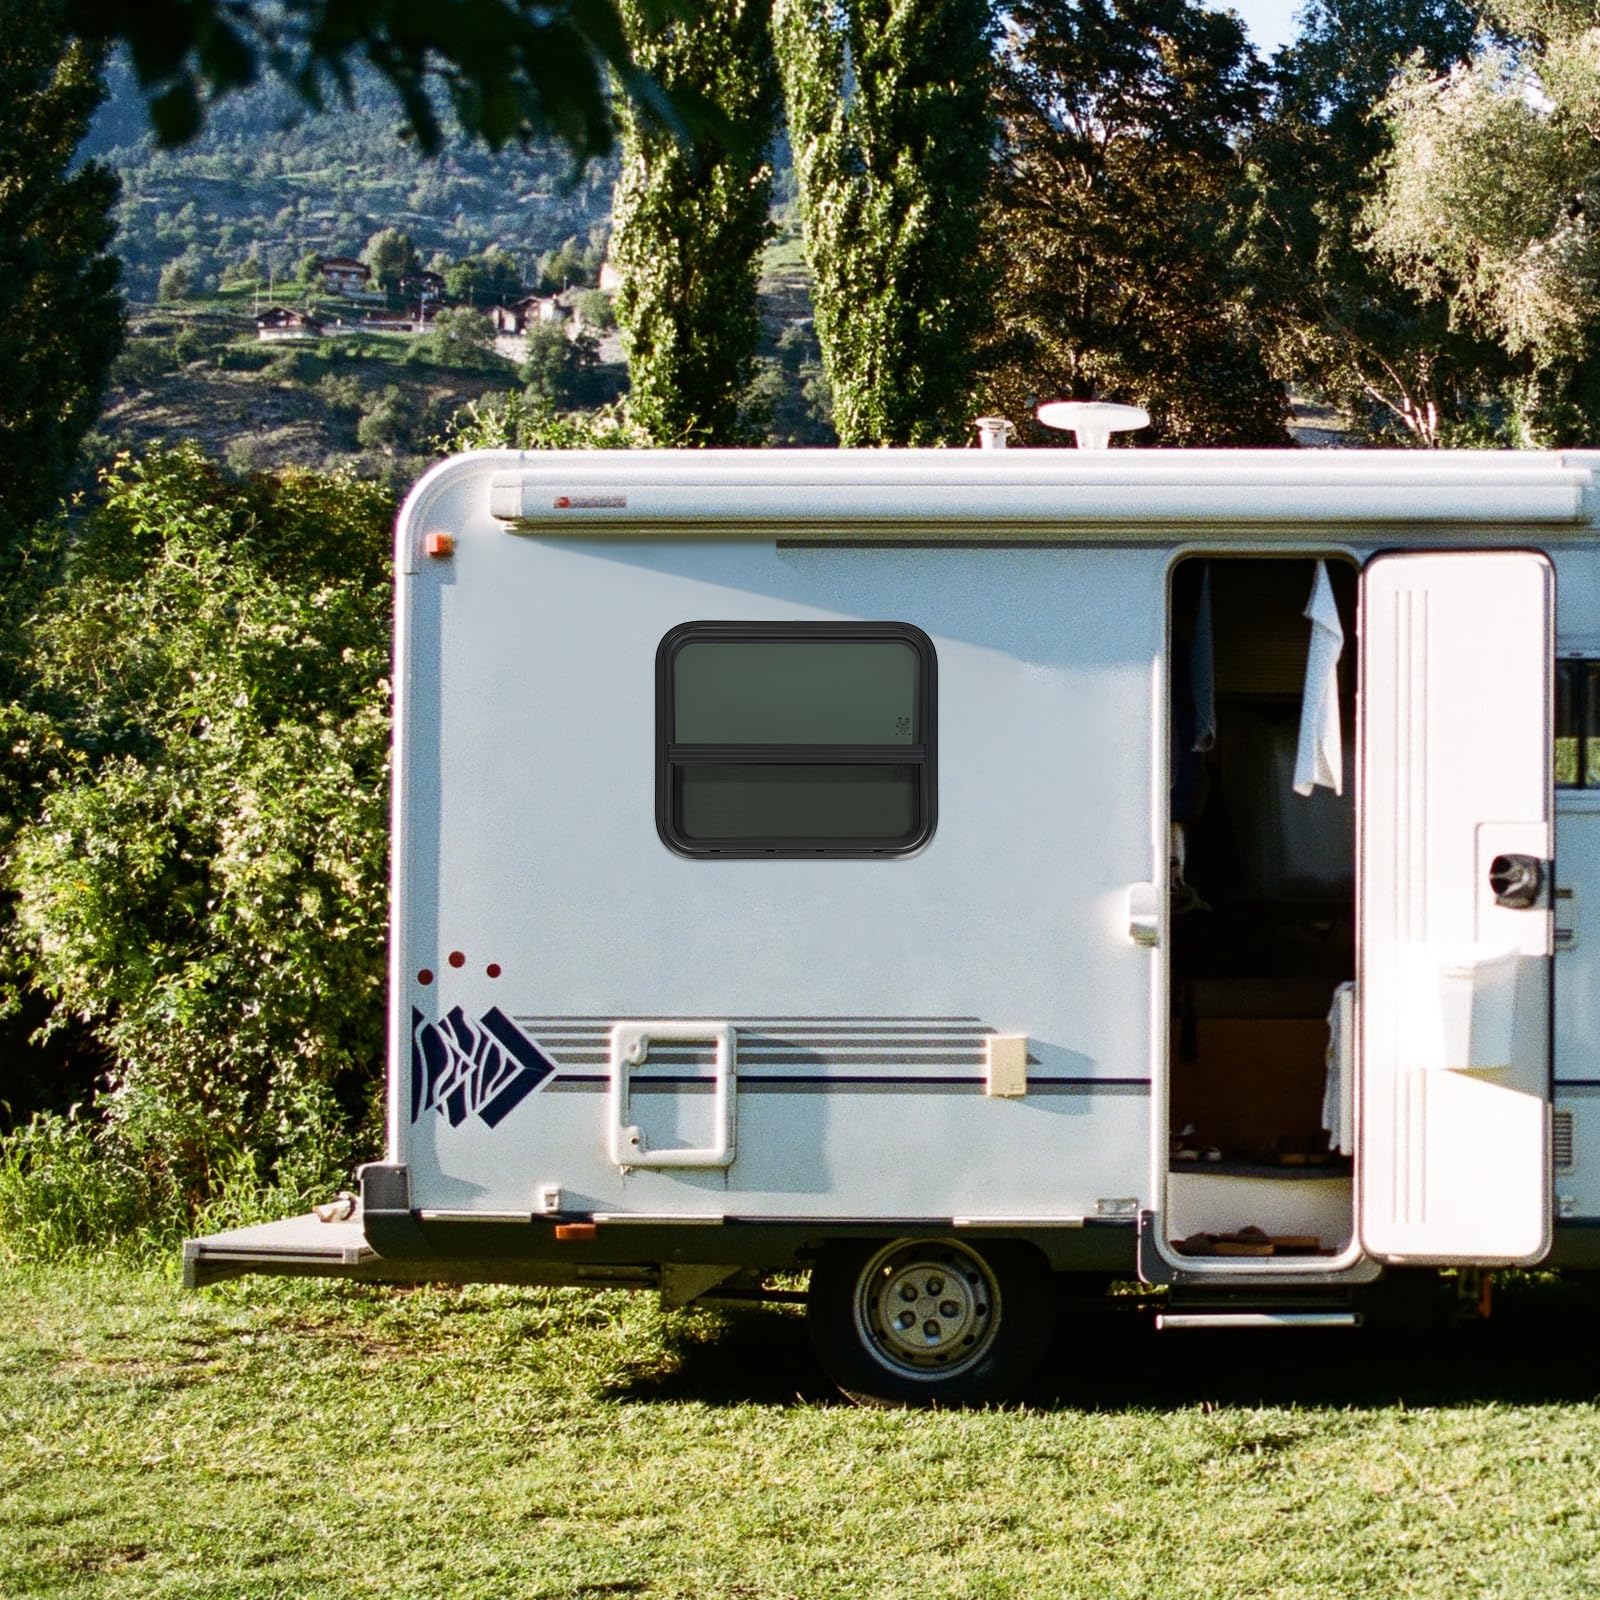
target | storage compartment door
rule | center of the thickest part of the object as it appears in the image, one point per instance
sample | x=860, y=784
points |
x=1453, y=1142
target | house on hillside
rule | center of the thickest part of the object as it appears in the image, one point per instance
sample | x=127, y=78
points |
x=281, y=322
x=344, y=274
x=405, y=322
x=426, y=288
x=516, y=318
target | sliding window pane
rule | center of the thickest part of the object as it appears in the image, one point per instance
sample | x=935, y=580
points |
x=796, y=691
x=1569, y=691
x=746, y=804
x=1591, y=725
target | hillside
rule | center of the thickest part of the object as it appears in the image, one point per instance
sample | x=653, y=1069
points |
x=211, y=233
x=266, y=180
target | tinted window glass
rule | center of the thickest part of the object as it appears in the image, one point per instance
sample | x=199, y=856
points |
x=795, y=739
x=1591, y=724
x=1568, y=744
x=729, y=801
x=1577, y=731
x=814, y=691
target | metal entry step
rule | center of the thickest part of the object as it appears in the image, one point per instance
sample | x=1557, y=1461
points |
x=296, y=1247
x=1177, y=1321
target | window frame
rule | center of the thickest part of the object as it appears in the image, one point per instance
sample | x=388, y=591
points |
x=1583, y=668
x=671, y=757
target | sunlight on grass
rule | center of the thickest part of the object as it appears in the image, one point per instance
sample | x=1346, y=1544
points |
x=281, y=1439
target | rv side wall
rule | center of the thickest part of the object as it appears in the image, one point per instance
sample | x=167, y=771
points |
x=531, y=855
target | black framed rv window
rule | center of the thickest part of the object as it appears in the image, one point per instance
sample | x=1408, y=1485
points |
x=795, y=739
x=1577, y=724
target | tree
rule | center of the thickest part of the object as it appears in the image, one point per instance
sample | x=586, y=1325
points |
x=570, y=262
x=60, y=314
x=556, y=369
x=391, y=256
x=393, y=423
x=1116, y=214
x=510, y=69
x=515, y=421
x=688, y=225
x=489, y=278
x=174, y=283
x=890, y=127
x=459, y=337
x=1487, y=201
x=1333, y=318
x=596, y=309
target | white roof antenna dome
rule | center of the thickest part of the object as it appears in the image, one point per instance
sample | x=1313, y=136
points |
x=1093, y=421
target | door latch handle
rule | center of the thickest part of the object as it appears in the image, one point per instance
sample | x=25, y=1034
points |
x=1518, y=881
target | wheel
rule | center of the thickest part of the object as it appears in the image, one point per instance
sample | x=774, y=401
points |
x=923, y=1322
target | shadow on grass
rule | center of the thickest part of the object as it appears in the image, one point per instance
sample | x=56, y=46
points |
x=759, y=1356
x=1537, y=1349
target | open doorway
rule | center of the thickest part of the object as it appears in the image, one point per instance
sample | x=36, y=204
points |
x=1262, y=949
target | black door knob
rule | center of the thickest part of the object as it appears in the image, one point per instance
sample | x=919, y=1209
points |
x=1517, y=881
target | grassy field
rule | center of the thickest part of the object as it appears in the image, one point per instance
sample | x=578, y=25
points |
x=295, y=1440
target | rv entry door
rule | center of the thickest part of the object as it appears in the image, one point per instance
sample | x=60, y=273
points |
x=1454, y=914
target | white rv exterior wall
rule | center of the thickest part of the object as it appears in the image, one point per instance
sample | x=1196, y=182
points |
x=526, y=835
x=543, y=857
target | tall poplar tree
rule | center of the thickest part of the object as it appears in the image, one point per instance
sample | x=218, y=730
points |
x=689, y=222
x=60, y=314
x=891, y=130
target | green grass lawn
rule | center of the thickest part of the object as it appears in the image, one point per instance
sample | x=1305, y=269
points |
x=310, y=1440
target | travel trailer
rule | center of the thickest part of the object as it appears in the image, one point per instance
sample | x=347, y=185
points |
x=961, y=874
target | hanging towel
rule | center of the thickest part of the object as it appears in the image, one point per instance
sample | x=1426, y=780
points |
x=1338, y=1100
x=1202, y=669
x=1320, y=758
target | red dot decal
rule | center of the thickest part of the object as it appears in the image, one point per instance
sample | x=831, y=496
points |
x=457, y=958
x=425, y=976
x=493, y=969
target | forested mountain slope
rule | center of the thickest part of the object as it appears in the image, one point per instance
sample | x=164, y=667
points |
x=267, y=179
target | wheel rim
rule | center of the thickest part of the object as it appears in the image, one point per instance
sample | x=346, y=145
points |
x=927, y=1308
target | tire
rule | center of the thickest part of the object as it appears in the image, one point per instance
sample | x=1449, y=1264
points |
x=930, y=1322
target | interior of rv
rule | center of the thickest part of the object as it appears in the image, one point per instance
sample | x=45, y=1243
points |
x=1261, y=956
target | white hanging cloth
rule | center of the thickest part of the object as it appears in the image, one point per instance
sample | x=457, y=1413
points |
x=1320, y=757
x=1338, y=1097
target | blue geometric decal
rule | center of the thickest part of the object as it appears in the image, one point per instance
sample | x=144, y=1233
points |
x=484, y=1068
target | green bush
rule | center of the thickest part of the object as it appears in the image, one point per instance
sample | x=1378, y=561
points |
x=395, y=420
x=512, y=421
x=557, y=370
x=67, y=1185
x=143, y=362
x=244, y=357
x=295, y=366
x=203, y=705
x=458, y=337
